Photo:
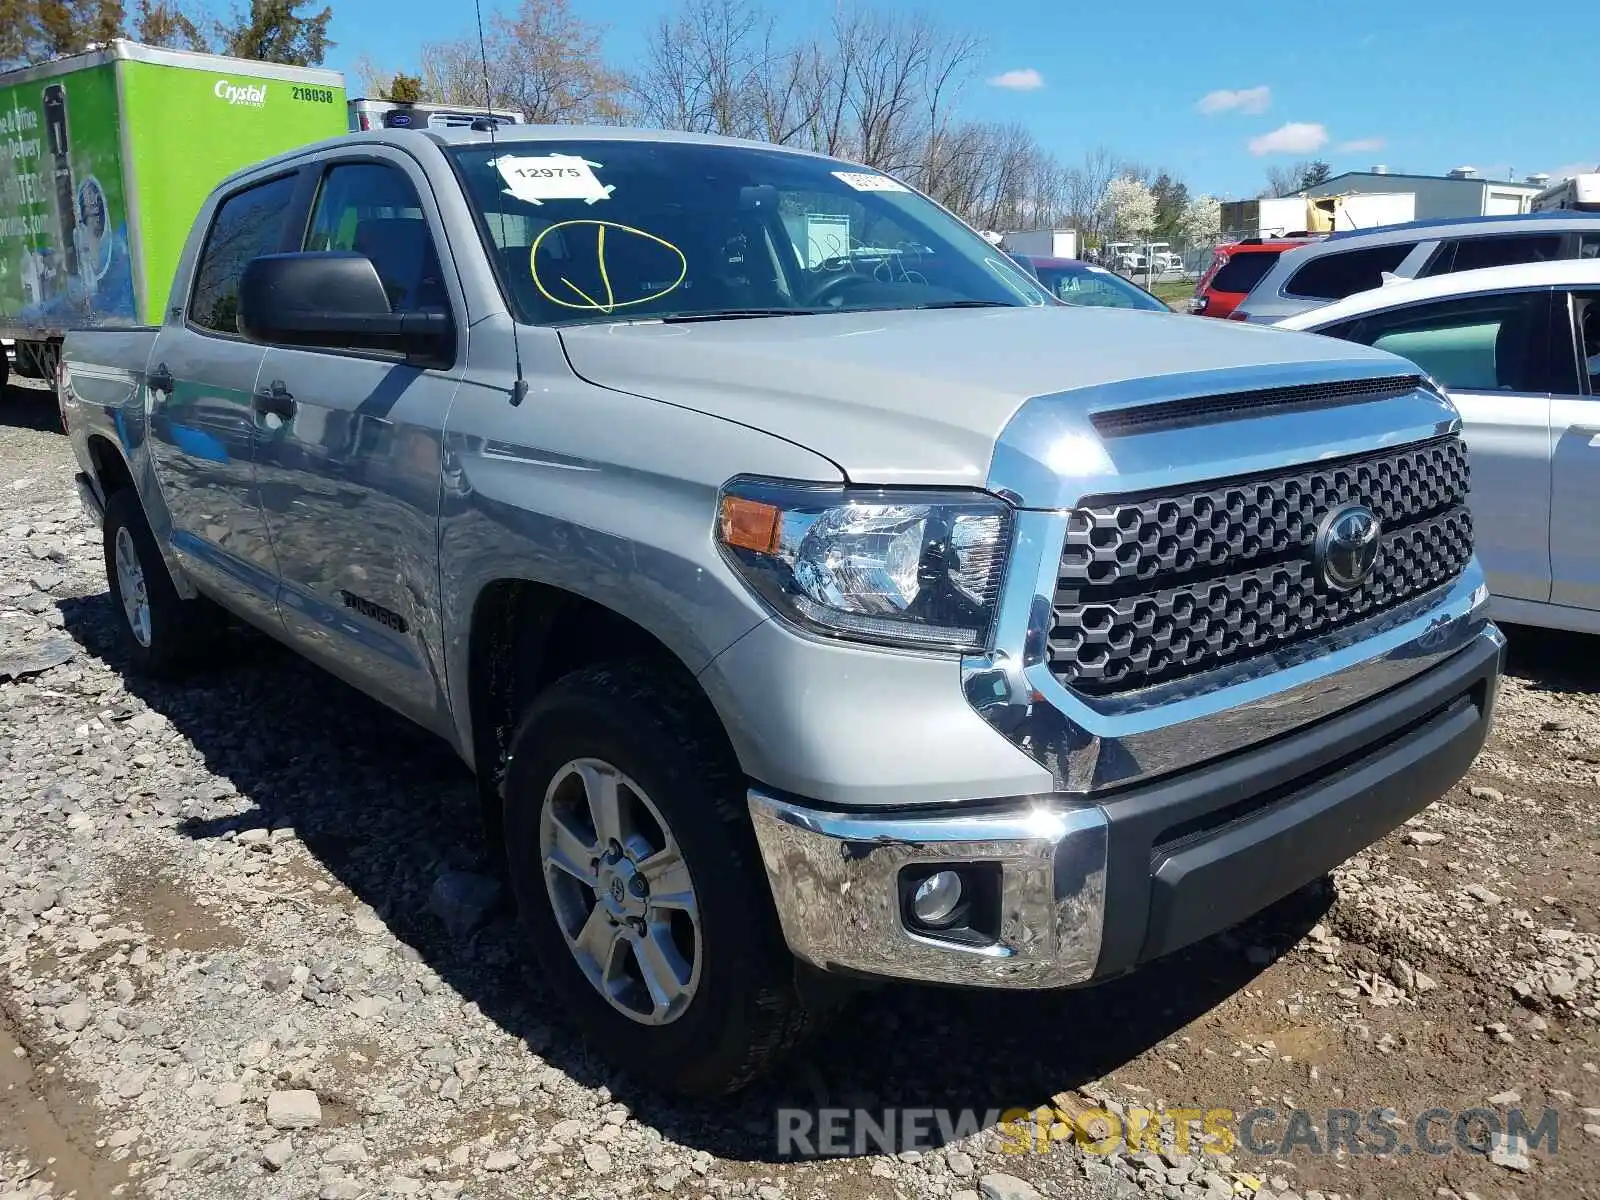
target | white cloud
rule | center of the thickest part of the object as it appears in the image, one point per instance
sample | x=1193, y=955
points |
x=1297, y=137
x=1244, y=100
x=1362, y=145
x=1568, y=170
x=1024, y=79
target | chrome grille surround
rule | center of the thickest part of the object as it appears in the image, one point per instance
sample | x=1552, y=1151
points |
x=1164, y=585
x=1050, y=460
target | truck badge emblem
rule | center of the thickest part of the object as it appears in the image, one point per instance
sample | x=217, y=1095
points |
x=1347, y=546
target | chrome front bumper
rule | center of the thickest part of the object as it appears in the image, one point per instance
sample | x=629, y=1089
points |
x=835, y=876
x=1090, y=889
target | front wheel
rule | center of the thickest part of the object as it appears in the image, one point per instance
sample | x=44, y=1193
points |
x=637, y=876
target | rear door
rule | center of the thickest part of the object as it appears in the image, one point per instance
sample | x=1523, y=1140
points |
x=350, y=464
x=1575, y=451
x=1491, y=353
x=201, y=377
x=1234, y=278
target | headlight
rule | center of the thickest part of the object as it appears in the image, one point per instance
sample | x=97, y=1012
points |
x=902, y=568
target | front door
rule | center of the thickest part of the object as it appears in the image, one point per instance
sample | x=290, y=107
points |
x=349, y=464
x=1575, y=456
x=1491, y=353
x=202, y=375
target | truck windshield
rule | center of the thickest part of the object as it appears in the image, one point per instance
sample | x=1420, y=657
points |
x=661, y=230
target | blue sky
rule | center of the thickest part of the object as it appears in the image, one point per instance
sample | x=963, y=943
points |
x=1419, y=85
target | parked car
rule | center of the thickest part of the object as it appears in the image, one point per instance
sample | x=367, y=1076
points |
x=1086, y=285
x=802, y=619
x=1518, y=350
x=1236, y=268
x=1358, y=261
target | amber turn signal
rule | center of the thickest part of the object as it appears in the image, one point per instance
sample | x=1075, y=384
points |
x=749, y=524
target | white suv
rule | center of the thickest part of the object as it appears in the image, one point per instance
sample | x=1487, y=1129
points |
x=1357, y=261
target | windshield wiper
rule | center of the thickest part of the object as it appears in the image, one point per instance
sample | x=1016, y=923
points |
x=737, y=314
x=968, y=304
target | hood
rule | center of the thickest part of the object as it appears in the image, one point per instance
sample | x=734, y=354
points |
x=920, y=397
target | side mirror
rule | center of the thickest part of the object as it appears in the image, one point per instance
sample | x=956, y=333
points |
x=334, y=299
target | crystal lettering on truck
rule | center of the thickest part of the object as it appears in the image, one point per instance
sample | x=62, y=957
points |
x=250, y=95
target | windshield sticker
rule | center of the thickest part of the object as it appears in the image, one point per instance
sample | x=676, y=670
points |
x=866, y=181
x=551, y=177
x=614, y=245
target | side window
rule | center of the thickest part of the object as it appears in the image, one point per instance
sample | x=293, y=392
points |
x=1243, y=271
x=1589, y=245
x=247, y=225
x=1334, y=276
x=372, y=209
x=1473, y=253
x=1586, y=310
x=1478, y=344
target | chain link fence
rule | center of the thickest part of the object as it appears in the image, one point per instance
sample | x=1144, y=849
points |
x=1163, y=266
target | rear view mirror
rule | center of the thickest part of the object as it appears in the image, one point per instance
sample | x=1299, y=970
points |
x=334, y=299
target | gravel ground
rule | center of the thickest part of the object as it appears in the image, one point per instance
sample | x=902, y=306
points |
x=247, y=952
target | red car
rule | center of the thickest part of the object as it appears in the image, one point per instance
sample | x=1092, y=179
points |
x=1234, y=270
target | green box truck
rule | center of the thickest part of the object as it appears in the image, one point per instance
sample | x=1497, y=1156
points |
x=105, y=159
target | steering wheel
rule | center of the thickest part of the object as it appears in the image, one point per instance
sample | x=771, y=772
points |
x=834, y=290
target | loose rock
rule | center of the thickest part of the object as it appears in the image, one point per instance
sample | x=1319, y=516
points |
x=294, y=1110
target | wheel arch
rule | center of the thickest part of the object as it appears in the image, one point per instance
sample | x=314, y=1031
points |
x=111, y=469
x=523, y=636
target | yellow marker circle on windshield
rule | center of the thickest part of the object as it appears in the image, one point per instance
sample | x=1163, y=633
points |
x=609, y=302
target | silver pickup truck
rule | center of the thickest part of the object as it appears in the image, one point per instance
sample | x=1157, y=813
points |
x=813, y=596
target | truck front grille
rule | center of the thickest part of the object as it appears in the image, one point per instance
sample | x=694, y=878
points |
x=1159, y=586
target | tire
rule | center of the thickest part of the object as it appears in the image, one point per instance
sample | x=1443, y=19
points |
x=743, y=1010
x=174, y=632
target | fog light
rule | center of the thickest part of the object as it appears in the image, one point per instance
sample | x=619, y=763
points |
x=936, y=897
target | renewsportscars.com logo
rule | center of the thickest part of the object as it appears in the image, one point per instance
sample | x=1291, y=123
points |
x=251, y=95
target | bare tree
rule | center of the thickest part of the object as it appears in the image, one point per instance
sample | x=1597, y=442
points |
x=704, y=69
x=1285, y=180
x=1085, y=190
x=881, y=86
x=543, y=60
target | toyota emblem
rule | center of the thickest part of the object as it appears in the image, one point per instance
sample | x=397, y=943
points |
x=1347, y=546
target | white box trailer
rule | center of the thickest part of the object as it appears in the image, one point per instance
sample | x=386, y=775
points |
x=1267, y=217
x=1042, y=243
x=1286, y=216
x=1363, y=210
x=366, y=113
x=1581, y=193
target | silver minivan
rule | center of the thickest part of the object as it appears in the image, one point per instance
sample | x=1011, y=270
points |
x=1359, y=260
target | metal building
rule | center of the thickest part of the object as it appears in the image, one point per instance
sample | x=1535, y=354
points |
x=1461, y=193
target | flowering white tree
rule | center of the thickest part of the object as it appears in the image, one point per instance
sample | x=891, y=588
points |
x=1202, y=220
x=1130, y=208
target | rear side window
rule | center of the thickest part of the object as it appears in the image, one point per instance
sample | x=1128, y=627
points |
x=1470, y=254
x=1243, y=271
x=1477, y=344
x=1335, y=276
x=1589, y=245
x=248, y=224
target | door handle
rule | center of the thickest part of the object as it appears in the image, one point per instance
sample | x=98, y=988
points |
x=275, y=400
x=160, y=379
